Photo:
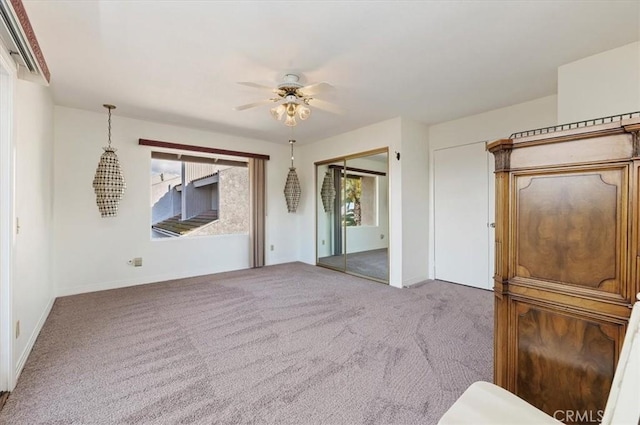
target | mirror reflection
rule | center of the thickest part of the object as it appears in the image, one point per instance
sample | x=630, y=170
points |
x=330, y=232
x=366, y=217
x=353, y=215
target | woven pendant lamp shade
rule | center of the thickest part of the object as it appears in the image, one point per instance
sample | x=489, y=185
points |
x=108, y=183
x=292, y=189
x=328, y=192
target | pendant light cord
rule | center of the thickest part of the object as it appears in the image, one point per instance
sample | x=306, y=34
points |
x=109, y=107
x=109, y=127
x=291, y=142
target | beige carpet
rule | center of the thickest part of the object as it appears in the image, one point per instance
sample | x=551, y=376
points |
x=287, y=344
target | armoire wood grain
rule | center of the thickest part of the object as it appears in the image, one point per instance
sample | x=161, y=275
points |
x=568, y=225
x=567, y=263
x=546, y=341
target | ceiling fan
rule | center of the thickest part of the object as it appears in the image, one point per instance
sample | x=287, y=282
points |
x=294, y=99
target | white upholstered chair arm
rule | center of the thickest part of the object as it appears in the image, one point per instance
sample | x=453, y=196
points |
x=485, y=403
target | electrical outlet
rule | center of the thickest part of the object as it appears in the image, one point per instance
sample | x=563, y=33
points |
x=271, y=247
x=17, y=329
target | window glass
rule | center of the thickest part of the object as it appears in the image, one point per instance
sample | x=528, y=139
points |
x=197, y=196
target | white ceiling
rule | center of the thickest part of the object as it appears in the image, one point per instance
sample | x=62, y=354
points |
x=179, y=61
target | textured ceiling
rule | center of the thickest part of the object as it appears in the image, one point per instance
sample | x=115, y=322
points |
x=179, y=61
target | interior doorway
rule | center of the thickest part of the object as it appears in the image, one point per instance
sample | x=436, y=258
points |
x=463, y=198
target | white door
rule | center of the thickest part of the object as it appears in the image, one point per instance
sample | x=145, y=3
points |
x=6, y=223
x=462, y=231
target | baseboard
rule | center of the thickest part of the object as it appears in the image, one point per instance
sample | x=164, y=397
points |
x=104, y=286
x=413, y=281
x=32, y=340
x=418, y=284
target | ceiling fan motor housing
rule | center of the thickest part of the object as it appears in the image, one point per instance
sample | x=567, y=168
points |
x=290, y=87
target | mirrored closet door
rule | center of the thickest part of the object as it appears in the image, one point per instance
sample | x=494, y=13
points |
x=352, y=226
x=330, y=250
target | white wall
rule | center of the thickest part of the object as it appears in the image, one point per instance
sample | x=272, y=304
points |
x=488, y=126
x=600, y=85
x=414, y=156
x=91, y=252
x=33, y=293
x=494, y=124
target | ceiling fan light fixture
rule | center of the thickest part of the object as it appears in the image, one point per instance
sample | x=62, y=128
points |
x=278, y=112
x=303, y=112
x=291, y=108
x=290, y=121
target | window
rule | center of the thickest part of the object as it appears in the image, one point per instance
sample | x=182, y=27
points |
x=360, y=200
x=198, y=196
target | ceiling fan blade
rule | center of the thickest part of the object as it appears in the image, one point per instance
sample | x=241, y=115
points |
x=254, y=104
x=326, y=106
x=256, y=85
x=316, y=88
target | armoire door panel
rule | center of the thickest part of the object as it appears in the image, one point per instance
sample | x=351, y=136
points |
x=562, y=361
x=571, y=228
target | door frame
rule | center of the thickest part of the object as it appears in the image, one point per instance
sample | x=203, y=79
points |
x=8, y=76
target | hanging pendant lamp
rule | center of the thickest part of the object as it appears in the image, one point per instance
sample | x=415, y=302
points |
x=108, y=183
x=292, y=189
x=328, y=192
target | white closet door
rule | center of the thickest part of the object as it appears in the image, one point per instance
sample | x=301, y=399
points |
x=462, y=229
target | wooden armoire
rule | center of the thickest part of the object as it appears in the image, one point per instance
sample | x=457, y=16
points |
x=567, y=263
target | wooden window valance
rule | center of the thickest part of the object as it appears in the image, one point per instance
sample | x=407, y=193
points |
x=193, y=148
